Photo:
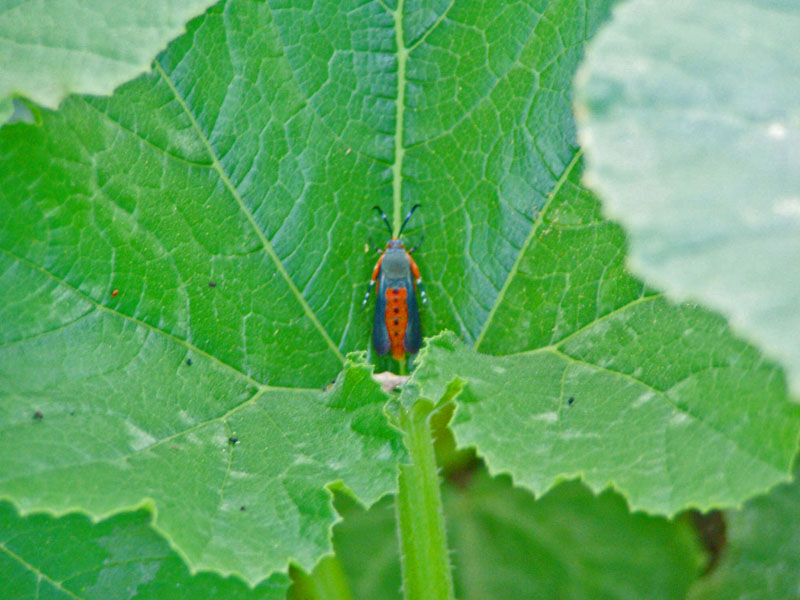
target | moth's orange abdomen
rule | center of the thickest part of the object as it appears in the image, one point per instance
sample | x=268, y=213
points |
x=396, y=316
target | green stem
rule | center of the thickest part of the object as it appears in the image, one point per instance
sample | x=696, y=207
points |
x=402, y=366
x=423, y=543
x=326, y=582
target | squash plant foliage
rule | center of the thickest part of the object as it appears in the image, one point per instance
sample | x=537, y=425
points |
x=182, y=265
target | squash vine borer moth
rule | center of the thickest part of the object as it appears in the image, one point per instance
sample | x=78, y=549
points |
x=397, y=326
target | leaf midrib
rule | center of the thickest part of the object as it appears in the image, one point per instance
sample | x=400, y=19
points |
x=399, y=149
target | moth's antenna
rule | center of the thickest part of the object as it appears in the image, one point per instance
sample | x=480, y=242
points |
x=408, y=216
x=385, y=218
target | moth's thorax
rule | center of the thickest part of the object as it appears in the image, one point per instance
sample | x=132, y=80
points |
x=395, y=261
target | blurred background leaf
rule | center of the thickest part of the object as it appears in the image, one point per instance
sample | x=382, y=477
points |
x=52, y=48
x=690, y=120
x=760, y=560
x=568, y=545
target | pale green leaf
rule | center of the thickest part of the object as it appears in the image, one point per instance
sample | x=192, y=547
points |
x=691, y=124
x=52, y=48
x=117, y=559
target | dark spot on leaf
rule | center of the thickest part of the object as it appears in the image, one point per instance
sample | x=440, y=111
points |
x=571, y=400
x=242, y=508
x=189, y=361
x=37, y=416
x=212, y=284
x=233, y=441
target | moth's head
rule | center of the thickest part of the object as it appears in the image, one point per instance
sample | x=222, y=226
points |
x=395, y=243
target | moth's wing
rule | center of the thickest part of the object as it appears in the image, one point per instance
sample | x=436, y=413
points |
x=413, y=338
x=380, y=334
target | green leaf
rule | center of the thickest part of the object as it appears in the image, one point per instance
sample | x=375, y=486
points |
x=760, y=559
x=68, y=558
x=234, y=471
x=690, y=120
x=599, y=378
x=569, y=545
x=217, y=210
x=161, y=227
x=52, y=48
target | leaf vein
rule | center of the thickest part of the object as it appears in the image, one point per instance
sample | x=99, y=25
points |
x=42, y=334
x=433, y=27
x=662, y=394
x=528, y=242
x=144, y=324
x=139, y=136
x=251, y=219
x=39, y=574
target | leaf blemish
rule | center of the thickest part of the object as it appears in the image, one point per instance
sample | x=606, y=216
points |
x=643, y=399
x=679, y=418
x=548, y=417
x=138, y=438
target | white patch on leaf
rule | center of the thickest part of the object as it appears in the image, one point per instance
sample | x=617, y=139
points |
x=548, y=417
x=138, y=438
x=643, y=399
x=679, y=418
